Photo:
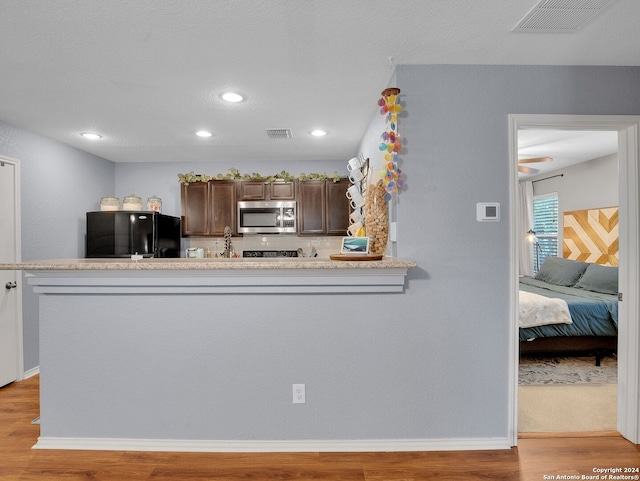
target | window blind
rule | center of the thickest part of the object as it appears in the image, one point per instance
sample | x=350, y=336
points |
x=545, y=225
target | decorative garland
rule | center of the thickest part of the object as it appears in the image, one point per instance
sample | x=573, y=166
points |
x=234, y=174
x=391, y=144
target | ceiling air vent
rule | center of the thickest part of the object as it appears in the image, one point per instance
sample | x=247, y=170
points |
x=279, y=133
x=561, y=15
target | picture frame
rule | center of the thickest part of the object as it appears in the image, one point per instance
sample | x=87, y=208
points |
x=355, y=245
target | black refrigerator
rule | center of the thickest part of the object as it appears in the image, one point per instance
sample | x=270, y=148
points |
x=125, y=233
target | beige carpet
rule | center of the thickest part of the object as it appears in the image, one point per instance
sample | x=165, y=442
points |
x=567, y=408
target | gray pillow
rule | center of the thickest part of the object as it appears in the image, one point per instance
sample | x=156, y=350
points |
x=560, y=271
x=599, y=278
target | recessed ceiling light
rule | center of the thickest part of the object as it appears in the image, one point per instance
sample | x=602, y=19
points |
x=318, y=133
x=232, y=97
x=91, y=135
x=203, y=133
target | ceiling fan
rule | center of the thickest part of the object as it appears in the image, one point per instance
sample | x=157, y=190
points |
x=533, y=160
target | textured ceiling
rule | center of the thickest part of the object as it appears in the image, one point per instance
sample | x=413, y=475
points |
x=147, y=74
x=565, y=147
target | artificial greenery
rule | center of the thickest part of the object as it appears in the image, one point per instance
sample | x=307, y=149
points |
x=235, y=174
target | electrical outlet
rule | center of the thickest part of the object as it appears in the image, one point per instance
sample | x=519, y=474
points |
x=298, y=394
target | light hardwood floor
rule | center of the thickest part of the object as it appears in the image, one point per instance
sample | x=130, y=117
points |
x=533, y=459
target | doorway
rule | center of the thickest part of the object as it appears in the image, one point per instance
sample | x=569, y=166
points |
x=567, y=391
x=628, y=128
x=11, y=363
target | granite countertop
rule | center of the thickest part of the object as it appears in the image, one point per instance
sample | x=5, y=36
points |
x=207, y=264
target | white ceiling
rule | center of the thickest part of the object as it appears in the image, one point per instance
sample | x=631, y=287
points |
x=147, y=74
x=565, y=147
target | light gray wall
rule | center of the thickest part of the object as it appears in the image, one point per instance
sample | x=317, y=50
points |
x=445, y=342
x=58, y=182
x=161, y=178
x=455, y=129
x=419, y=365
x=590, y=185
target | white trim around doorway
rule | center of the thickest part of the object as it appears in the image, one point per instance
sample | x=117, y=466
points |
x=20, y=375
x=628, y=128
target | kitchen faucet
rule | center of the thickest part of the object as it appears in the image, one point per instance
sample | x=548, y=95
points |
x=226, y=253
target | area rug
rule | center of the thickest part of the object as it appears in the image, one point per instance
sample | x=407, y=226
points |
x=535, y=371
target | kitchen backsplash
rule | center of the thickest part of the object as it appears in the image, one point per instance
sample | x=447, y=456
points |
x=325, y=246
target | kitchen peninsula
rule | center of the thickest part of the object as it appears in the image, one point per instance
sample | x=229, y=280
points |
x=200, y=354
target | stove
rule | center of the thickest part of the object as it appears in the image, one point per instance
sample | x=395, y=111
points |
x=283, y=253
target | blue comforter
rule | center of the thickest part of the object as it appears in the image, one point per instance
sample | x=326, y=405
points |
x=593, y=313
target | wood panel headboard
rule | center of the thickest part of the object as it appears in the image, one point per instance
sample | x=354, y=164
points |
x=591, y=235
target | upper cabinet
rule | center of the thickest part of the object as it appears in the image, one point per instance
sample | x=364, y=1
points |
x=338, y=207
x=208, y=207
x=222, y=196
x=312, y=207
x=282, y=190
x=260, y=190
x=323, y=207
x=252, y=190
x=195, y=209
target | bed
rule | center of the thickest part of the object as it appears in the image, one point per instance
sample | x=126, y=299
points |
x=571, y=308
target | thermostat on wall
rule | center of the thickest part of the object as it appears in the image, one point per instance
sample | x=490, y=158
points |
x=488, y=211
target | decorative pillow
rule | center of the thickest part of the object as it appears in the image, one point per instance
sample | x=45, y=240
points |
x=599, y=278
x=561, y=271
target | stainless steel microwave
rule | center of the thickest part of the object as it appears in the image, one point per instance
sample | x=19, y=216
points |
x=267, y=217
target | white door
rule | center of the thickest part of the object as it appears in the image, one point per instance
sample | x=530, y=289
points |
x=10, y=292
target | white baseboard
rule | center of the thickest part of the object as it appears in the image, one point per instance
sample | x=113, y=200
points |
x=31, y=372
x=215, y=446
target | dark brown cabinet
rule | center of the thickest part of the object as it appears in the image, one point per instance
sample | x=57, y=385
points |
x=207, y=208
x=312, y=207
x=282, y=190
x=222, y=210
x=260, y=190
x=323, y=207
x=195, y=209
x=338, y=208
x=252, y=190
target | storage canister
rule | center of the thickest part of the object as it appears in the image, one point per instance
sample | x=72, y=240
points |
x=132, y=202
x=154, y=204
x=109, y=203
